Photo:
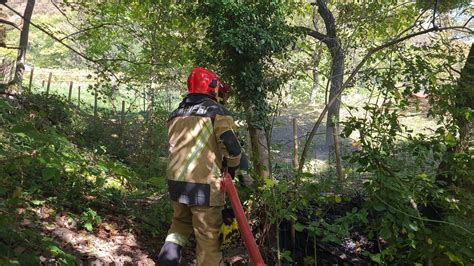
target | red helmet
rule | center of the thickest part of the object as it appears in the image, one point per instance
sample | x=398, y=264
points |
x=203, y=81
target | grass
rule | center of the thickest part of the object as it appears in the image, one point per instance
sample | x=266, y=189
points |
x=319, y=160
x=134, y=101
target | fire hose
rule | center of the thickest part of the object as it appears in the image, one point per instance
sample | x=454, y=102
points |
x=244, y=227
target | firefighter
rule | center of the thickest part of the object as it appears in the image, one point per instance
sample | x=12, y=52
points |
x=201, y=139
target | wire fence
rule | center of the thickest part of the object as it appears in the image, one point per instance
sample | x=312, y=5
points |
x=78, y=88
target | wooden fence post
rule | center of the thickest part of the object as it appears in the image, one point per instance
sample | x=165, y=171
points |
x=70, y=91
x=150, y=108
x=79, y=97
x=295, y=166
x=42, y=84
x=295, y=144
x=49, y=83
x=122, y=116
x=340, y=173
x=12, y=72
x=144, y=100
x=95, y=102
x=2, y=71
x=31, y=79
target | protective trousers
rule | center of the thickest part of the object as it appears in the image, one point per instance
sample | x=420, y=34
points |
x=205, y=221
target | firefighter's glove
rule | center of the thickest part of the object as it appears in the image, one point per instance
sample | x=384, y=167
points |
x=245, y=179
x=232, y=171
x=228, y=215
x=229, y=231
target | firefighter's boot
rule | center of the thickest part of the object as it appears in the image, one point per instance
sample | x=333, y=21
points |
x=170, y=254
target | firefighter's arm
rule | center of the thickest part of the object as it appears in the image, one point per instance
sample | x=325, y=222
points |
x=228, y=142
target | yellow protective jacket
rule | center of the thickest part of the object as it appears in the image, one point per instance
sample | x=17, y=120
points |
x=200, y=137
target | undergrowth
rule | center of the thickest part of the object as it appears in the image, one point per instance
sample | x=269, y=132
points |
x=54, y=156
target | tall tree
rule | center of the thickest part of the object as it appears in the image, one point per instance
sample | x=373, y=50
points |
x=20, y=60
x=388, y=24
x=333, y=43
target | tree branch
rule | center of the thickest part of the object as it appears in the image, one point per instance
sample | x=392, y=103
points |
x=467, y=22
x=84, y=30
x=315, y=34
x=64, y=14
x=11, y=47
x=88, y=58
x=328, y=18
x=433, y=21
x=370, y=52
x=4, y=21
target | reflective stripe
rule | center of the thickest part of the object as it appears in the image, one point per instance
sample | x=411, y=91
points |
x=215, y=169
x=177, y=239
x=202, y=139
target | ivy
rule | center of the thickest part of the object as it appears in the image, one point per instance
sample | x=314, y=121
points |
x=242, y=39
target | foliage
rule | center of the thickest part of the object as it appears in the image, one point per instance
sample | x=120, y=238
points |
x=243, y=43
x=40, y=165
x=44, y=51
x=135, y=45
x=442, y=6
x=89, y=218
x=412, y=208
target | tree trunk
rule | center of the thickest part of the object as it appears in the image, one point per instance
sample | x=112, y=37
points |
x=259, y=144
x=314, y=89
x=337, y=77
x=20, y=61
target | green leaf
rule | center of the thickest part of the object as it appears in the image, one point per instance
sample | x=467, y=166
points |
x=450, y=138
x=158, y=182
x=379, y=207
x=467, y=115
x=299, y=227
x=38, y=202
x=376, y=257
x=386, y=233
x=55, y=251
x=286, y=256
x=49, y=173
x=269, y=182
x=88, y=226
x=413, y=226
x=21, y=134
x=119, y=170
x=454, y=257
